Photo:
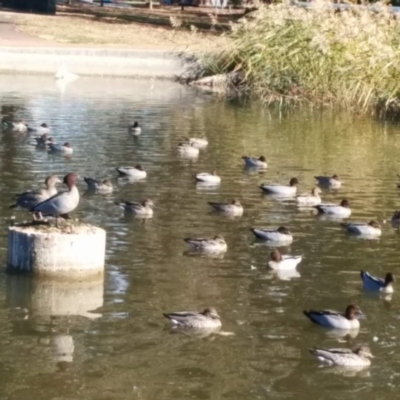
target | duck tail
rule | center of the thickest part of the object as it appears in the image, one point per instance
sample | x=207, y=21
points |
x=362, y=273
x=14, y=205
x=166, y=315
x=343, y=224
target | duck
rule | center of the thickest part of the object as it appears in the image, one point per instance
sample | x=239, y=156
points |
x=206, y=177
x=334, y=319
x=252, y=162
x=136, y=172
x=143, y=209
x=396, y=218
x=281, y=190
x=43, y=128
x=216, y=244
x=30, y=199
x=135, y=129
x=64, y=75
x=281, y=234
x=339, y=211
x=283, y=262
x=233, y=208
x=200, y=143
x=43, y=140
x=18, y=126
x=372, y=229
x=359, y=357
x=61, y=204
x=375, y=284
x=206, y=319
x=65, y=148
x=312, y=199
x=94, y=185
x=188, y=150
x=332, y=182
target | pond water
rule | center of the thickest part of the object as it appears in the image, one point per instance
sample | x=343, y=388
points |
x=109, y=340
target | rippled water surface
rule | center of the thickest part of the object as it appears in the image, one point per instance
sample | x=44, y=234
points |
x=108, y=339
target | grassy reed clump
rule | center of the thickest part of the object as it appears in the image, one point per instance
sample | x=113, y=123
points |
x=318, y=55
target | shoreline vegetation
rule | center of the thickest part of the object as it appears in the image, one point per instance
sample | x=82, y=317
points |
x=317, y=56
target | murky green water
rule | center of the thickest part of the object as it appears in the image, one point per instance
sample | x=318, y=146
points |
x=108, y=340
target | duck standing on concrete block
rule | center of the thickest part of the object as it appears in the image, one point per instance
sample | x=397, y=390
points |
x=62, y=203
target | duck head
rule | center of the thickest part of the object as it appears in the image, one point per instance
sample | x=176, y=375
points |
x=148, y=203
x=336, y=177
x=345, y=203
x=44, y=125
x=211, y=313
x=283, y=230
x=316, y=191
x=107, y=182
x=374, y=224
x=293, y=182
x=70, y=179
x=219, y=238
x=67, y=144
x=389, y=278
x=276, y=256
x=52, y=180
x=352, y=312
x=363, y=351
x=139, y=167
x=135, y=124
x=236, y=202
x=262, y=158
x=396, y=216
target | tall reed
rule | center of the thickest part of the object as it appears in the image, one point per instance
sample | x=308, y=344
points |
x=318, y=55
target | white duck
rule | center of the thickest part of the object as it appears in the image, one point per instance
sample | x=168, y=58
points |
x=30, y=199
x=206, y=177
x=359, y=357
x=333, y=210
x=215, y=245
x=332, y=182
x=135, y=129
x=252, y=162
x=207, y=319
x=232, y=208
x=374, y=284
x=334, y=319
x=281, y=190
x=281, y=234
x=372, y=229
x=188, y=150
x=61, y=204
x=144, y=209
x=136, y=172
x=200, y=143
x=283, y=262
x=94, y=185
x=312, y=199
x=65, y=148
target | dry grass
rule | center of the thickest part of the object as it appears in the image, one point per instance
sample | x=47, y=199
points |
x=319, y=56
x=112, y=32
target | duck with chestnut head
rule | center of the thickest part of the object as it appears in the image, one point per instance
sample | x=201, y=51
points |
x=332, y=182
x=136, y=172
x=279, y=262
x=253, y=162
x=374, y=284
x=371, y=229
x=281, y=190
x=135, y=129
x=61, y=204
x=336, y=320
x=281, y=234
x=341, y=210
x=65, y=148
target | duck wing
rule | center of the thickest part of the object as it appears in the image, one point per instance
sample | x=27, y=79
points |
x=371, y=282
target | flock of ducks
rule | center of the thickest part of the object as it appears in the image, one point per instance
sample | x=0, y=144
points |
x=48, y=202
